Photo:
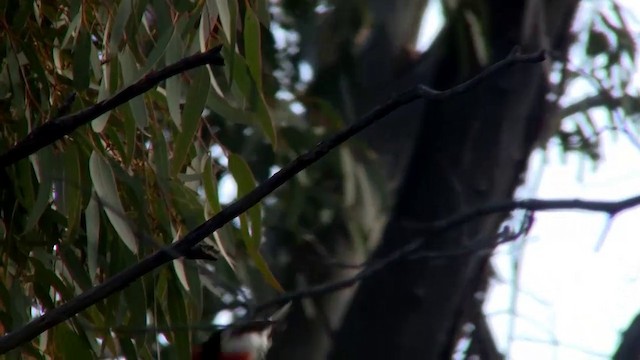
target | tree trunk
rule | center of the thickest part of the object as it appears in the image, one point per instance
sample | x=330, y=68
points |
x=469, y=150
x=629, y=348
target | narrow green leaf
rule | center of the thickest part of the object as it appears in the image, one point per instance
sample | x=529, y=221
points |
x=178, y=316
x=160, y=158
x=130, y=74
x=135, y=297
x=105, y=186
x=252, y=47
x=210, y=187
x=228, y=10
x=99, y=123
x=92, y=219
x=207, y=22
x=82, y=60
x=159, y=49
x=222, y=107
x=48, y=277
x=43, y=164
x=226, y=18
x=68, y=344
x=245, y=83
x=72, y=186
x=265, y=120
x=261, y=8
x=178, y=267
x=119, y=24
x=246, y=182
x=263, y=267
x=196, y=99
x=74, y=267
x=71, y=30
x=173, y=88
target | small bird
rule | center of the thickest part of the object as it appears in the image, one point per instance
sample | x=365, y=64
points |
x=244, y=341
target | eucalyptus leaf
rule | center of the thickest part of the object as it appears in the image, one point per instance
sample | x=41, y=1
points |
x=105, y=185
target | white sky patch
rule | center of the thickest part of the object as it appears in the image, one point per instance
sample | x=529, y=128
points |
x=583, y=298
x=297, y=108
x=224, y=317
x=218, y=154
x=431, y=24
x=306, y=71
x=227, y=189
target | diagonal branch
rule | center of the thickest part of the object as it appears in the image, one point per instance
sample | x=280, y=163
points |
x=441, y=226
x=57, y=128
x=159, y=258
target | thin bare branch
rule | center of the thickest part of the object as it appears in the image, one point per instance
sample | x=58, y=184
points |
x=57, y=128
x=609, y=207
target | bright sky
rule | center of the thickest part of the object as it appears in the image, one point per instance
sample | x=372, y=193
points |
x=572, y=300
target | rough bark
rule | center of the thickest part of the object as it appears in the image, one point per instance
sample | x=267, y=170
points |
x=468, y=151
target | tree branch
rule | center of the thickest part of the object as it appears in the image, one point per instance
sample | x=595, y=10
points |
x=438, y=227
x=159, y=258
x=56, y=128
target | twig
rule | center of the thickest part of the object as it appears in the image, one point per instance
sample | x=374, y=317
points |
x=122, y=279
x=611, y=208
x=57, y=128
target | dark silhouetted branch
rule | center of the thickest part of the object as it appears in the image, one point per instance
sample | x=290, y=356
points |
x=57, y=128
x=629, y=348
x=159, y=258
x=609, y=207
